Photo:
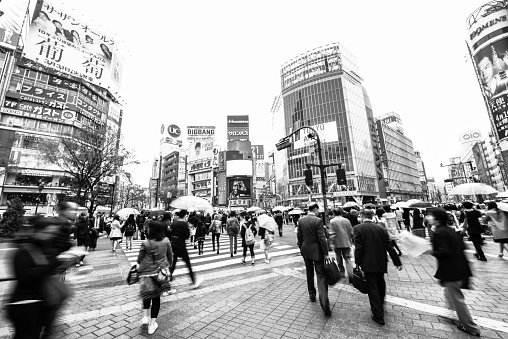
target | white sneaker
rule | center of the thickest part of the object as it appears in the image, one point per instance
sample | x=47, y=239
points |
x=144, y=321
x=267, y=261
x=152, y=327
x=170, y=292
x=198, y=282
x=81, y=263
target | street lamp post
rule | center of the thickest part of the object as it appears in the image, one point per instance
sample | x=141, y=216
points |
x=285, y=143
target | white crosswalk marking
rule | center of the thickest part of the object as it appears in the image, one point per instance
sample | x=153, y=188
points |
x=210, y=260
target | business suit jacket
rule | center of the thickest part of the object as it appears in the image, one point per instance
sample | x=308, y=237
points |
x=312, y=238
x=448, y=248
x=371, y=244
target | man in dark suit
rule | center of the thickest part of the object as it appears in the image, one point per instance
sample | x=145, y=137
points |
x=371, y=244
x=314, y=249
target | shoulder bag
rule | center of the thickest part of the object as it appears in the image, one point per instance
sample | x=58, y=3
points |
x=359, y=281
x=163, y=274
x=133, y=276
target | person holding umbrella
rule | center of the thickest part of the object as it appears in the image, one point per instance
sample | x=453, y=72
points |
x=267, y=226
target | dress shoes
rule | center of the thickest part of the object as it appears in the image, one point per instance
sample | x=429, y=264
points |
x=378, y=321
x=312, y=297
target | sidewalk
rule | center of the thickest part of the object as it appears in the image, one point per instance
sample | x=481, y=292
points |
x=271, y=301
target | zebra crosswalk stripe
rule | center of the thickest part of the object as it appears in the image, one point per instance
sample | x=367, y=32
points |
x=209, y=260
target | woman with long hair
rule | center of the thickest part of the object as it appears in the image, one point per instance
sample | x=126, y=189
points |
x=215, y=227
x=155, y=254
x=130, y=229
x=453, y=270
x=498, y=222
x=116, y=233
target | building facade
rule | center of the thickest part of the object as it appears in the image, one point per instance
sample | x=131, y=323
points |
x=399, y=162
x=322, y=89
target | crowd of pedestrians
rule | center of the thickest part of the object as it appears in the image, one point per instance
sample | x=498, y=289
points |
x=370, y=234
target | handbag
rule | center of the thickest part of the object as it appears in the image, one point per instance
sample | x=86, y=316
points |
x=359, y=281
x=332, y=272
x=163, y=274
x=133, y=276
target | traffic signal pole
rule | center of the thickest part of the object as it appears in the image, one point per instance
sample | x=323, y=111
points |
x=285, y=143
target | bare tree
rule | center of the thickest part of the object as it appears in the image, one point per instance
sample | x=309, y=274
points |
x=89, y=157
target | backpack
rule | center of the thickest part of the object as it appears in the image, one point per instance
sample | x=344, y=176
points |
x=233, y=228
x=213, y=228
x=130, y=228
x=249, y=235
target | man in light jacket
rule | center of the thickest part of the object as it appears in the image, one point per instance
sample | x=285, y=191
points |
x=341, y=235
x=314, y=249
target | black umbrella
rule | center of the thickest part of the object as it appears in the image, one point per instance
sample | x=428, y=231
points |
x=421, y=205
x=156, y=213
x=370, y=206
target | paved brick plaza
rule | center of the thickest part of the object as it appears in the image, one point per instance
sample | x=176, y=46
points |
x=271, y=300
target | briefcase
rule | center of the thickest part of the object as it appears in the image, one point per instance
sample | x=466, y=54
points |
x=359, y=281
x=332, y=273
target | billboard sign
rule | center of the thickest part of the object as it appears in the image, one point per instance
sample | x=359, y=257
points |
x=238, y=127
x=470, y=136
x=258, y=152
x=215, y=156
x=200, y=150
x=327, y=133
x=38, y=111
x=488, y=42
x=239, y=188
x=61, y=41
x=196, y=133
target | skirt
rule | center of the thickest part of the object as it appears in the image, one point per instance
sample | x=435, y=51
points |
x=115, y=238
x=150, y=288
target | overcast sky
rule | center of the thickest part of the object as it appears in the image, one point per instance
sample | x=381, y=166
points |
x=195, y=62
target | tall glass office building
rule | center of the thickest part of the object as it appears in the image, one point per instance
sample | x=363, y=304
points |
x=322, y=88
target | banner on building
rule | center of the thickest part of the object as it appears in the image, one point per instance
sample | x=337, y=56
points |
x=59, y=40
x=201, y=151
x=488, y=42
x=6, y=141
x=238, y=127
x=239, y=188
x=215, y=156
x=197, y=133
x=181, y=168
x=258, y=152
x=327, y=133
x=222, y=161
x=260, y=170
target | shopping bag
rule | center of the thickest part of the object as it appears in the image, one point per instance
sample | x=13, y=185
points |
x=133, y=276
x=412, y=245
x=332, y=272
x=359, y=281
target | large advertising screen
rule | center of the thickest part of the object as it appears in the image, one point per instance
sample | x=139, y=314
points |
x=327, y=133
x=61, y=41
x=238, y=127
x=239, y=188
x=488, y=41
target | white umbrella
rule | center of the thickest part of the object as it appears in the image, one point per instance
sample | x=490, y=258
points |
x=267, y=222
x=502, y=206
x=260, y=211
x=296, y=211
x=472, y=188
x=502, y=195
x=192, y=209
x=413, y=201
x=279, y=208
x=186, y=202
x=350, y=204
x=125, y=212
x=253, y=209
x=401, y=204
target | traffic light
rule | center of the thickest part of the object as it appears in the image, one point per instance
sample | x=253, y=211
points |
x=283, y=143
x=341, y=176
x=308, y=177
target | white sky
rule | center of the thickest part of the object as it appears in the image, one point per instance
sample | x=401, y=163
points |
x=195, y=62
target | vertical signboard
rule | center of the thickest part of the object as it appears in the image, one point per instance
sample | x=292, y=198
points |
x=258, y=156
x=221, y=179
x=488, y=43
x=238, y=127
